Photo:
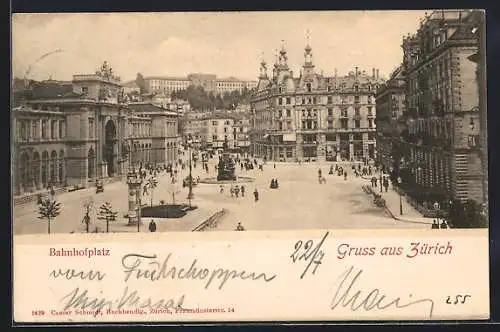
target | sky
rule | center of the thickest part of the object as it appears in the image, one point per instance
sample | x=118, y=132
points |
x=225, y=44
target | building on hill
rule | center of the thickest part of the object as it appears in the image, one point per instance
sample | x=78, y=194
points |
x=313, y=117
x=68, y=136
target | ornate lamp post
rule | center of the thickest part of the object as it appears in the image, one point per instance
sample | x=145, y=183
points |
x=190, y=182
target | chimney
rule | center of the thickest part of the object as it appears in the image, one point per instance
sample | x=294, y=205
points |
x=373, y=72
x=377, y=73
x=356, y=71
x=335, y=72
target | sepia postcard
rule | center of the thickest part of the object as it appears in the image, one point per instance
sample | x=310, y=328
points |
x=249, y=166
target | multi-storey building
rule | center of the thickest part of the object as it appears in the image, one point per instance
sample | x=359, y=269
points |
x=442, y=107
x=313, y=117
x=233, y=84
x=217, y=129
x=390, y=103
x=71, y=136
x=155, y=84
x=212, y=129
x=209, y=82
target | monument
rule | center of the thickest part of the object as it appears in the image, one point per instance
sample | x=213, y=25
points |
x=226, y=167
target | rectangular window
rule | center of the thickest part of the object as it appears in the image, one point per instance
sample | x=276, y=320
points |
x=314, y=100
x=370, y=112
x=356, y=99
x=330, y=112
x=280, y=101
x=288, y=113
x=357, y=124
x=53, y=129
x=44, y=129
x=370, y=123
x=91, y=128
x=330, y=100
x=343, y=123
x=225, y=129
x=343, y=113
x=371, y=136
x=288, y=100
x=280, y=113
x=356, y=111
x=85, y=90
x=330, y=124
x=214, y=123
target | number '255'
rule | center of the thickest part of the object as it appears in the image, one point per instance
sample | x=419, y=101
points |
x=457, y=299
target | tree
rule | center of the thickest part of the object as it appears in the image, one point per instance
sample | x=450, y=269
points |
x=152, y=183
x=141, y=83
x=49, y=209
x=468, y=215
x=107, y=214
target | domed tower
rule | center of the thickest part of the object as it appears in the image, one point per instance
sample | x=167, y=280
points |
x=263, y=69
x=308, y=59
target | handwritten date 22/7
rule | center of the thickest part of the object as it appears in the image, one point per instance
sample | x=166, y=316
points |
x=309, y=253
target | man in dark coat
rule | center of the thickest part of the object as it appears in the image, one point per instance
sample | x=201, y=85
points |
x=152, y=226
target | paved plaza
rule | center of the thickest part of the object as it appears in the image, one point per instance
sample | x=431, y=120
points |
x=300, y=202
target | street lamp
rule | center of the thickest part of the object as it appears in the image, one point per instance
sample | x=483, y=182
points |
x=139, y=207
x=400, y=197
x=190, y=182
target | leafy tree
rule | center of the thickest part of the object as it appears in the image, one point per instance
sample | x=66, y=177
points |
x=107, y=214
x=49, y=210
x=152, y=183
x=139, y=80
x=468, y=215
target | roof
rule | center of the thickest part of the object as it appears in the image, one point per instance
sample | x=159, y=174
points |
x=45, y=90
x=167, y=78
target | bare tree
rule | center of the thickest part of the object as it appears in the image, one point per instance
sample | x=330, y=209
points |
x=152, y=183
x=49, y=210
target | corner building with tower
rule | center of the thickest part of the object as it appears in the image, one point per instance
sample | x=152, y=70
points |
x=66, y=136
x=313, y=117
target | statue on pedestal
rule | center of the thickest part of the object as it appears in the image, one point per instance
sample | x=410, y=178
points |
x=226, y=165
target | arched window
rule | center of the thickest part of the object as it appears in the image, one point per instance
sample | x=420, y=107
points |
x=35, y=168
x=45, y=168
x=91, y=163
x=62, y=166
x=53, y=168
x=308, y=87
x=24, y=170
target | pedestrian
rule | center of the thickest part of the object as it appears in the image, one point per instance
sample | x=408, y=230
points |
x=435, y=225
x=236, y=191
x=232, y=191
x=221, y=189
x=274, y=166
x=256, y=194
x=386, y=184
x=242, y=191
x=444, y=225
x=152, y=226
x=39, y=199
x=345, y=176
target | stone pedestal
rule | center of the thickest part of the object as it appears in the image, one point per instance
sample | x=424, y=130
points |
x=134, y=198
x=104, y=169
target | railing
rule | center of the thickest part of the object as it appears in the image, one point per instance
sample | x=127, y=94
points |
x=210, y=222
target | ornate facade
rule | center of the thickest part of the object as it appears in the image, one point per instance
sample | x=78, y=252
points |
x=390, y=101
x=70, y=138
x=442, y=140
x=312, y=116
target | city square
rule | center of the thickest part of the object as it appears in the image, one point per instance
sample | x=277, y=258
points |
x=300, y=202
x=92, y=152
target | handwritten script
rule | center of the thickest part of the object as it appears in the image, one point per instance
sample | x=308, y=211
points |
x=348, y=295
x=148, y=267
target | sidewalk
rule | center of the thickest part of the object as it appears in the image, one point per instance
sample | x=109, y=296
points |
x=392, y=199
